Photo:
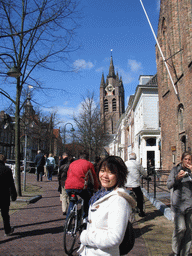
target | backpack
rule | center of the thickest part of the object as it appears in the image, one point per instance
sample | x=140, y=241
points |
x=128, y=240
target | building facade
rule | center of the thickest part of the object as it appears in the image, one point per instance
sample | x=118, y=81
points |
x=111, y=100
x=138, y=128
x=35, y=134
x=146, y=122
x=175, y=101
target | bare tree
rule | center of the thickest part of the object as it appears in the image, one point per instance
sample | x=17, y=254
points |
x=90, y=130
x=33, y=34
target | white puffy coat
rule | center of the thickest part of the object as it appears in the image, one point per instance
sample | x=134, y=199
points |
x=135, y=170
x=108, y=218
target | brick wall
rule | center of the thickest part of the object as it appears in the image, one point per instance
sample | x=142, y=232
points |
x=175, y=38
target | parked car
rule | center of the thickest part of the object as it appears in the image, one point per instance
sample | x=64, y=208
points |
x=11, y=165
x=30, y=167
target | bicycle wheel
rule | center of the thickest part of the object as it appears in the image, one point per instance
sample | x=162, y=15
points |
x=70, y=233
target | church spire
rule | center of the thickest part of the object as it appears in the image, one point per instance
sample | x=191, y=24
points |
x=102, y=84
x=111, y=68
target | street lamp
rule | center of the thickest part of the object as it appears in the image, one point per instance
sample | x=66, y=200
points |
x=14, y=72
x=25, y=148
x=72, y=130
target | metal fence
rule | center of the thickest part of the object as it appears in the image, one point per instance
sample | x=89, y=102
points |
x=156, y=183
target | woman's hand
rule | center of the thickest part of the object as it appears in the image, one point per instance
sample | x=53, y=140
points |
x=189, y=166
x=180, y=175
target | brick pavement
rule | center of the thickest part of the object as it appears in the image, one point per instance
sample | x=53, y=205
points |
x=39, y=226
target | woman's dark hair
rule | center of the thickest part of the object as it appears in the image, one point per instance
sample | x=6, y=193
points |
x=185, y=154
x=117, y=166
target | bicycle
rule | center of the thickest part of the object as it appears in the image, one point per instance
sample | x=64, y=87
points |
x=74, y=224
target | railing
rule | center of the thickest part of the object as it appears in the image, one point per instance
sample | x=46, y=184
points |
x=156, y=182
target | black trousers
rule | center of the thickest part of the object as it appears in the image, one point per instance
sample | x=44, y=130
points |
x=6, y=218
x=139, y=195
x=40, y=171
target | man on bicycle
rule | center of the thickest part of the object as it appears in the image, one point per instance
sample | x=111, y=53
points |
x=79, y=174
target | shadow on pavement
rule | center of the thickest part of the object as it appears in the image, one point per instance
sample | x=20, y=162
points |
x=37, y=232
x=38, y=223
x=140, y=231
x=151, y=216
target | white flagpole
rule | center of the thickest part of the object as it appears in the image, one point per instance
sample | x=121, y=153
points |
x=159, y=49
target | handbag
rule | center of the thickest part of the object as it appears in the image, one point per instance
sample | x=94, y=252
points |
x=128, y=240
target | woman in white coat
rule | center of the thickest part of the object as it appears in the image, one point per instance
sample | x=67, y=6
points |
x=109, y=211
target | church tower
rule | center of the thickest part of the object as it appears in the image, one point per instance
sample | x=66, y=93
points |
x=111, y=99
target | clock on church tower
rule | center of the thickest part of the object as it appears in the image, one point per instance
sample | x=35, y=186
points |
x=109, y=89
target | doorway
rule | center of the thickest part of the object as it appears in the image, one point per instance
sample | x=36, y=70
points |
x=150, y=159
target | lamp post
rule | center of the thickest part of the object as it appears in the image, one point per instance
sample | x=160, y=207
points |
x=72, y=130
x=25, y=160
x=25, y=148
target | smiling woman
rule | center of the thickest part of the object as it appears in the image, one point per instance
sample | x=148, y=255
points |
x=109, y=211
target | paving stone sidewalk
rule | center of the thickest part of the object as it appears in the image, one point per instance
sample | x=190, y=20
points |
x=39, y=227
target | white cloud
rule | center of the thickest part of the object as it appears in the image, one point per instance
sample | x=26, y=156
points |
x=82, y=64
x=101, y=69
x=134, y=65
x=126, y=76
x=158, y=5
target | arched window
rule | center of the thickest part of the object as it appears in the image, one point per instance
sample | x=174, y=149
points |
x=183, y=143
x=105, y=105
x=114, y=104
x=180, y=117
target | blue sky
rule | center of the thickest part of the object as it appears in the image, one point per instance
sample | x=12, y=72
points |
x=107, y=24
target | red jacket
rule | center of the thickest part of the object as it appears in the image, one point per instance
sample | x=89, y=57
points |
x=78, y=174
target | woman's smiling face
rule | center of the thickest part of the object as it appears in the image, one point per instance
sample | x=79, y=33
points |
x=107, y=178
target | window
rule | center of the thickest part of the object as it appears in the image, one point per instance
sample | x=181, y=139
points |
x=114, y=104
x=105, y=105
x=180, y=117
x=151, y=142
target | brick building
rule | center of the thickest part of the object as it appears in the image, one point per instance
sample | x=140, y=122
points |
x=175, y=39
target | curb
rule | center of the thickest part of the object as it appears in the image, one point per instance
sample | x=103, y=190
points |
x=31, y=200
x=159, y=205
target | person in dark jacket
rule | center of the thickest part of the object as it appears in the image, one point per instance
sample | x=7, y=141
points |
x=180, y=182
x=62, y=176
x=40, y=162
x=64, y=159
x=7, y=190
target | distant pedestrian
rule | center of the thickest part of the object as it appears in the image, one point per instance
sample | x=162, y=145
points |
x=135, y=170
x=64, y=159
x=97, y=160
x=40, y=162
x=50, y=164
x=45, y=168
x=180, y=181
x=7, y=190
x=62, y=176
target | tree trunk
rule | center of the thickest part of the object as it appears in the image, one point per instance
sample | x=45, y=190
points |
x=17, y=140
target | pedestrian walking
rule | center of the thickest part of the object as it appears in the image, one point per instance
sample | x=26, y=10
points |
x=180, y=182
x=135, y=170
x=109, y=211
x=64, y=159
x=7, y=191
x=45, y=168
x=62, y=176
x=40, y=162
x=50, y=164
